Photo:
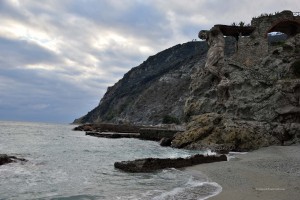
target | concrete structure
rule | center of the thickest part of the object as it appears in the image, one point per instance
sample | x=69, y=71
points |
x=252, y=41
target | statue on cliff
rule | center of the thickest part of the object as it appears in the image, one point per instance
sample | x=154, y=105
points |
x=215, y=54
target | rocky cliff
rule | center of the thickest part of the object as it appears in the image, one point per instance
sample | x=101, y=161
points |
x=258, y=106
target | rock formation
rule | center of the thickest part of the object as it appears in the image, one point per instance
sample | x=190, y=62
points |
x=258, y=106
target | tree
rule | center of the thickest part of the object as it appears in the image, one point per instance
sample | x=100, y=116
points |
x=242, y=24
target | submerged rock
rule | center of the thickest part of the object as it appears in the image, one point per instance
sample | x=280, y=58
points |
x=152, y=164
x=5, y=159
x=165, y=142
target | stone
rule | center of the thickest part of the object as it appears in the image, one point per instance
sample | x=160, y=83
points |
x=215, y=54
x=152, y=164
x=165, y=142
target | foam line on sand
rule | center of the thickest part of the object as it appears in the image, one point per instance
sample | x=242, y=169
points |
x=269, y=173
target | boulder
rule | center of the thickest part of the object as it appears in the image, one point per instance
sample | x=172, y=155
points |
x=165, y=142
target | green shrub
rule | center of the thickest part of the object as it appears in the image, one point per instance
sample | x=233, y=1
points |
x=287, y=47
x=110, y=115
x=170, y=120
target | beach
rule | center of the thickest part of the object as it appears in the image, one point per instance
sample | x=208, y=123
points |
x=269, y=173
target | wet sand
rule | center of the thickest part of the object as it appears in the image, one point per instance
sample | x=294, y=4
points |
x=271, y=173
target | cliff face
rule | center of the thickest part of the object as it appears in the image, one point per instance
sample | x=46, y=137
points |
x=154, y=90
x=259, y=107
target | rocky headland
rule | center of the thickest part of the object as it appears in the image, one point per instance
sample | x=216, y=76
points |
x=252, y=101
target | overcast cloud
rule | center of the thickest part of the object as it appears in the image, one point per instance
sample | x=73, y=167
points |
x=59, y=56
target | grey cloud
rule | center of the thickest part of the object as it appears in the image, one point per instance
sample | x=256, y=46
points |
x=33, y=96
x=19, y=52
x=9, y=11
x=137, y=20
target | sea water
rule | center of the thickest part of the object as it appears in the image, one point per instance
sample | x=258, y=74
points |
x=66, y=164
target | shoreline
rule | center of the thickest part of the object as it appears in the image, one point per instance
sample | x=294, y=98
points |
x=269, y=173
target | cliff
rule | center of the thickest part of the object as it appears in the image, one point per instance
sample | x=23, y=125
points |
x=258, y=106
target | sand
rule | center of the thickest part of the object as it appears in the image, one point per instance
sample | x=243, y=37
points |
x=269, y=173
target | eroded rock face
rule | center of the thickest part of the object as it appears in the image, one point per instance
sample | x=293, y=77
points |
x=269, y=91
x=259, y=106
x=152, y=164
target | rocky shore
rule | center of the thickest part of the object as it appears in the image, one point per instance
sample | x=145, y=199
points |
x=155, y=133
x=243, y=101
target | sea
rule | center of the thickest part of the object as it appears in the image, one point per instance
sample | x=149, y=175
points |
x=66, y=164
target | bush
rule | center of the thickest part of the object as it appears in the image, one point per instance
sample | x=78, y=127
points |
x=170, y=120
x=287, y=47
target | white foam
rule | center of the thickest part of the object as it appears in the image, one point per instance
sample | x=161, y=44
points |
x=186, y=191
x=232, y=154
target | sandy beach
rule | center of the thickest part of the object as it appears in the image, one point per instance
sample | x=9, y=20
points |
x=269, y=173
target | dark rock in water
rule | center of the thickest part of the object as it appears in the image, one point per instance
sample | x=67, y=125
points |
x=84, y=127
x=105, y=127
x=165, y=142
x=130, y=131
x=5, y=159
x=152, y=164
x=113, y=135
x=157, y=134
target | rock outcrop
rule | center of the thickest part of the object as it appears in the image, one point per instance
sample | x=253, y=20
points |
x=221, y=133
x=152, y=164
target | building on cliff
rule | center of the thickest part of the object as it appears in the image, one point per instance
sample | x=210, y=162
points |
x=252, y=41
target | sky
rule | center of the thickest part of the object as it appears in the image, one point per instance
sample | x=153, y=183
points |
x=57, y=57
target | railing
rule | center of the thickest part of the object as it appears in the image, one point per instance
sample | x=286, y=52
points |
x=296, y=13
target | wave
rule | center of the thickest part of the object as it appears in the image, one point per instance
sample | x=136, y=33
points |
x=192, y=190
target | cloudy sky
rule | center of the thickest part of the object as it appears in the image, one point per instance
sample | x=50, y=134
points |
x=57, y=57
